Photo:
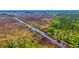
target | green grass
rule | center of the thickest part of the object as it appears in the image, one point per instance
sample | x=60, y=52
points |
x=21, y=43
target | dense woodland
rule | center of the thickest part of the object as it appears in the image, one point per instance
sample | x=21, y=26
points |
x=65, y=28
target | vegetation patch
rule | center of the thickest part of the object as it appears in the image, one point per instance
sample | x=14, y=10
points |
x=66, y=29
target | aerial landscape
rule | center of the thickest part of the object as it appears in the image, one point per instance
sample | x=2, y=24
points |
x=48, y=29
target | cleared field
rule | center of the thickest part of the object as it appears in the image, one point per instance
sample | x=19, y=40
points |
x=41, y=23
x=13, y=35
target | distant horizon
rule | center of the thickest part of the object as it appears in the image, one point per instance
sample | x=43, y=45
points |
x=39, y=10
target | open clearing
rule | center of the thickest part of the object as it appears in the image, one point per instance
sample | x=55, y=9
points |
x=13, y=34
